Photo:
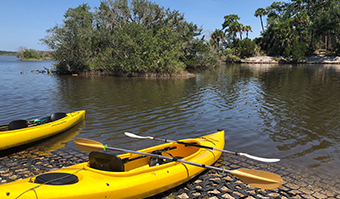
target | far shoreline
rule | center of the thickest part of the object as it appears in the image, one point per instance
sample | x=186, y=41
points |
x=43, y=59
x=312, y=59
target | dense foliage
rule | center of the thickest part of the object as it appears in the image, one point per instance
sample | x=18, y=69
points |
x=127, y=37
x=293, y=29
x=301, y=26
x=229, y=42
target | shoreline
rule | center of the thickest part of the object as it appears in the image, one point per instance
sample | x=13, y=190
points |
x=43, y=59
x=313, y=59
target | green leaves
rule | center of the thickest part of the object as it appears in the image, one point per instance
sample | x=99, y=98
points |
x=310, y=23
x=124, y=36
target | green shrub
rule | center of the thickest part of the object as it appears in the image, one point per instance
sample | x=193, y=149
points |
x=246, y=48
x=336, y=48
x=296, y=52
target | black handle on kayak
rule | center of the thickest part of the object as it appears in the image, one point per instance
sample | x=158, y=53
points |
x=185, y=143
x=196, y=145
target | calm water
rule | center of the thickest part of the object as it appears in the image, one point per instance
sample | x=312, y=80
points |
x=287, y=112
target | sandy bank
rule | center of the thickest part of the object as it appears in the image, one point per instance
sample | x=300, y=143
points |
x=314, y=59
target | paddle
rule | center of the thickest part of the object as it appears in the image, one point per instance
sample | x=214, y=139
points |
x=206, y=147
x=256, y=178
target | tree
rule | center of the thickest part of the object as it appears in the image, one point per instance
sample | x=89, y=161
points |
x=228, y=20
x=248, y=29
x=259, y=13
x=21, y=50
x=297, y=51
x=126, y=36
x=232, y=25
x=217, y=37
x=299, y=20
x=327, y=24
x=234, y=28
x=72, y=41
x=246, y=48
x=31, y=54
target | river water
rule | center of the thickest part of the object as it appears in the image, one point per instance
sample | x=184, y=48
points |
x=277, y=111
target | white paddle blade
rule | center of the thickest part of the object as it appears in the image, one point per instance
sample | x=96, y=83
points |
x=258, y=158
x=136, y=136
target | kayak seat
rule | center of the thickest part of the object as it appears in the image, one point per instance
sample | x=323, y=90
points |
x=17, y=124
x=57, y=116
x=105, y=162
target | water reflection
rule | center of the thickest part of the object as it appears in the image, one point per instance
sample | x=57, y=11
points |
x=300, y=110
x=60, y=140
x=295, y=106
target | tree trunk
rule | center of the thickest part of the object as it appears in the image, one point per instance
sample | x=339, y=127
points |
x=261, y=23
x=312, y=40
x=300, y=39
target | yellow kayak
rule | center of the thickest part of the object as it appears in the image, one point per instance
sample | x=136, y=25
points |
x=21, y=132
x=128, y=175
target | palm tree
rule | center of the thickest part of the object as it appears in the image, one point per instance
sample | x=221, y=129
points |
x=234, y=28
x=242, y=30
x=248, y=29
x=229, y=19
x=260, y=12
x=299, y=20
x=217, y=36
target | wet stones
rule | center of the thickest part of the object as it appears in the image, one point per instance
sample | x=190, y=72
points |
x=208, y=185
x=23, y=165
x=211, y=184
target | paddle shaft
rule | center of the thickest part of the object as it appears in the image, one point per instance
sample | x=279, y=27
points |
x=168, y=158
x=206, y=147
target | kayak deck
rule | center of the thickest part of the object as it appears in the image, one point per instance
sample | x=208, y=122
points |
x=138, y=180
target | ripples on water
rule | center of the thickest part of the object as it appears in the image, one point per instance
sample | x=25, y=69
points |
x=288, y=112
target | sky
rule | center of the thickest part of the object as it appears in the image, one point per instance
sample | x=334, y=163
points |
x=24, y=22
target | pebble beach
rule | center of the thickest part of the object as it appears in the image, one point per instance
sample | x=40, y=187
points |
x=208, y=185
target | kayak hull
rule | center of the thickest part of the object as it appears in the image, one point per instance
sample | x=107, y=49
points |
x=13, y=138
x=139, y=180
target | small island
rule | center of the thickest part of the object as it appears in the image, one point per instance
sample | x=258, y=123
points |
x=25, y=54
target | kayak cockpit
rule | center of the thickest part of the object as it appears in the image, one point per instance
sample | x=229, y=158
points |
x=131, y=163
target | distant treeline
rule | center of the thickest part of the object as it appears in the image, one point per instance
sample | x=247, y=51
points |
x=7, y=53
